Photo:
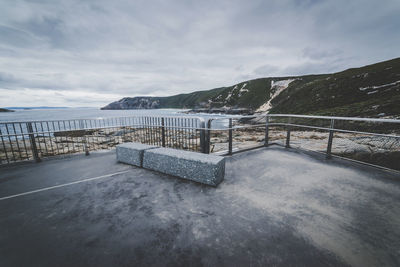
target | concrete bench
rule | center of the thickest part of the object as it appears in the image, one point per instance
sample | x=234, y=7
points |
x=132, y=153
x=202, y=168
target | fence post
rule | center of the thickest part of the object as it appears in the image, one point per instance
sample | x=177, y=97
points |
x=230, y=137
x=85, y=145
x=266, y=141
x=202, y=136
x=205, y=136
x=4, y=147
x=208, y=137
x=288, y=133
x=330, y=139
x=162, y=132
x=33, y=142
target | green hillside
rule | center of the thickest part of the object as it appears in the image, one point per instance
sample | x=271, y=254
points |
x=372, y=90
x=189, y=100
x=367, y=91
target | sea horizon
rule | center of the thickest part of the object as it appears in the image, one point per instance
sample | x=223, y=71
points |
x=82, y=113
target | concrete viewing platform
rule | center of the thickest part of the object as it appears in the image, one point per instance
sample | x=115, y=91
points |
x=275, y=207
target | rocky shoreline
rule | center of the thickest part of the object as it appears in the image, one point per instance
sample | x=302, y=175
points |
x=6, y=110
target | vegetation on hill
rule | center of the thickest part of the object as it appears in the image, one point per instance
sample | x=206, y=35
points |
x=367, y=91
x=372, y=90
x=5, y=110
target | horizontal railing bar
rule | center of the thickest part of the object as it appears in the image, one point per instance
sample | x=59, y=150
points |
x=245, y=126
x=335, y=118
x=198, y=128
x=332, y=129
x=310, y=117
x=99, y=128
x=105, y=118
x=214, y=118
x=237, y=117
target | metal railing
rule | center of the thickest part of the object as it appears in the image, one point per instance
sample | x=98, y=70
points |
x=372, y=141
x=34, y=140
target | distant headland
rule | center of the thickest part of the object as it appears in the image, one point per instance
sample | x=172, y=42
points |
x=27, y=108
x=6, y=110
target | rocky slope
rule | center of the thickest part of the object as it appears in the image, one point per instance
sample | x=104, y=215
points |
x=372, y=90
x=5, y=110
x=135, y=103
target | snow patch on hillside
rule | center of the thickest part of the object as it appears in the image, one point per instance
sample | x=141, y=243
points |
x=243, y=90
x=229, y=95
x=235, y=91
x=378, y=86
x=276, y=88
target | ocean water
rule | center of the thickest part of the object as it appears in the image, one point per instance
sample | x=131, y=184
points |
x=82, y=113
x=88, y=113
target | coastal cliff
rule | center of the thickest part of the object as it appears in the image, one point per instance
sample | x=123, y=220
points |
x=6, y=110
x=369, y=91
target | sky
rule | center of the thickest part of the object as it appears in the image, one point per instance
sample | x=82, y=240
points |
x=90, y=53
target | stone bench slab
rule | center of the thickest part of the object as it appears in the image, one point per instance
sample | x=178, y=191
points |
x=202, y=168
x=132, y=153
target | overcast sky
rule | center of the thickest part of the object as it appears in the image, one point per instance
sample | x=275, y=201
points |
x=90, y=53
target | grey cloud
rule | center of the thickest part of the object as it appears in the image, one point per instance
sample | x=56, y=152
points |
x=266, y=70
x=327, y=65
x=17, y=38
x=6, y=77
x=128, y=48
x=318, y=54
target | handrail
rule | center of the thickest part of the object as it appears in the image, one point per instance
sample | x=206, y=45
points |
x=153, y=128
x=392, y=136
x=335, y=118
x=107, y=118
x=332, y=129
x=311, y=117
x=26, y=140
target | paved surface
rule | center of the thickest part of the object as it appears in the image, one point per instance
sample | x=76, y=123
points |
x=275, y=207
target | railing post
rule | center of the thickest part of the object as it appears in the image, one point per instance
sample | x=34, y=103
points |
x=33, y=142
x=208, y=137
x=162, y=132
x=330, y=139
x=85, y=145
x=266, y=141
x=288, y=133
x=230, y=137
x=203, y=136
x=4, y=147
